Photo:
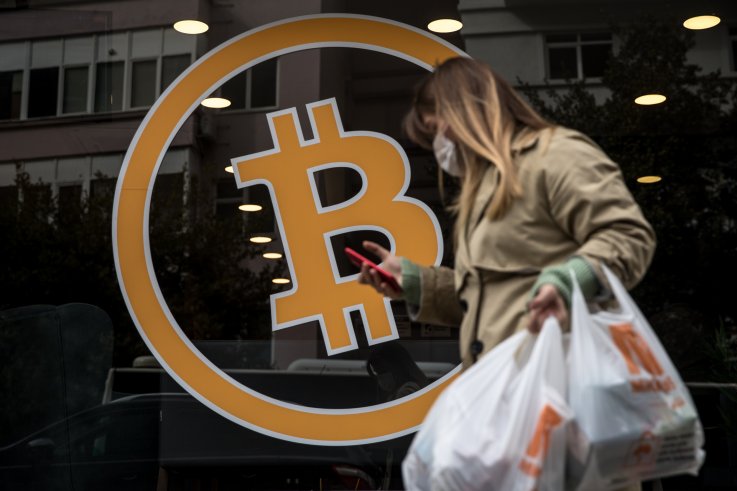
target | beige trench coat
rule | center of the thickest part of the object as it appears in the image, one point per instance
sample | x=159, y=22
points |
x=574, y=202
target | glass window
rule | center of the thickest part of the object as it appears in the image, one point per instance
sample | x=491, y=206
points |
x=171, y=67
x=143, y=84
x=106, y=165
x=112, y=47
x=78, y=50
x=109, y=87
x=177, y=43
x=146, y=43
x=42, y=92
x=594, y=59
x=263, y=84
x=578, y=56
x=99, y=72
x=11, y=84
x=46, y=53
x=13, y=56
x=563, y=64
x=254, y=88
x=235, y=91
x=75, y=90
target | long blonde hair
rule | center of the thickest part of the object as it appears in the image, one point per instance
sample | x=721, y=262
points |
x=484, y=115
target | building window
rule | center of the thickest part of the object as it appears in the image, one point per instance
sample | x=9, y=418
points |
x=11, y=84
x=76, y=82
x=98, y=73
x=109, y=86
x=143, y=85
x=171, y=67
x=253, y=89
x=70, y=179
x=577, y=56
x=42, y=92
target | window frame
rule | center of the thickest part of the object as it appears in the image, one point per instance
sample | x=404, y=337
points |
x=55, y=182
x=128, y=59
x=62, y=86
x=129, y=82
x=577, y=44
x=22, y=82
x=249, y=109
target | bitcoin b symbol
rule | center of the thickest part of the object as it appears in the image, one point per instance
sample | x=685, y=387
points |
x=318, y=292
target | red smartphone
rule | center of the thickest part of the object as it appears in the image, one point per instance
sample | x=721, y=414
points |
x=386, y=276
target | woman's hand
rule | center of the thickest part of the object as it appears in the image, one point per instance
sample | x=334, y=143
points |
x=390, y=263
x=547, y=302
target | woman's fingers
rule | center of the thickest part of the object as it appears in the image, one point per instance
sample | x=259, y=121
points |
x=375, y=248
x=369, y=276
x=546, y=303
x=364, y=276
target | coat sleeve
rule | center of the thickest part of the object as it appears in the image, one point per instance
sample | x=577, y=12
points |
x=439, y=302
x=589, y=200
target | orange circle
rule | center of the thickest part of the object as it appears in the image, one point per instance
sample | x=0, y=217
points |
x=130, y=235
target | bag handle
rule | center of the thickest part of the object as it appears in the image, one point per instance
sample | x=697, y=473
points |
x=621, y=294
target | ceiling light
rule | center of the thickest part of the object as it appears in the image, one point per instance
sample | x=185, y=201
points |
x=701, y=22
x=280, y=281
x=445, y=25
x=649, y=179
x=250, y=207
x=229, y=169
x=190, y=27
x=260, y=240
x=650, y=99
x=272, y=255
x=215, y=102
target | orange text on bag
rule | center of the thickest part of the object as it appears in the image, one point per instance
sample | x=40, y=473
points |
x=537, y=450
x=639, y=357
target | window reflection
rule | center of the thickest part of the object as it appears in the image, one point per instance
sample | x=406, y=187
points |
x=171, y=67
x=42, y=92
x=75, y=89
x=577, y=56
x=109, y=86
x=87, y=74
x=254, y=88
x=11, y=84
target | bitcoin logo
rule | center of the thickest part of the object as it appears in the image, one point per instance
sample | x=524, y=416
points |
x=306, y=226
x=156, y=324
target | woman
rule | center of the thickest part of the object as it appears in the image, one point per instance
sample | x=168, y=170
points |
x=536, y=201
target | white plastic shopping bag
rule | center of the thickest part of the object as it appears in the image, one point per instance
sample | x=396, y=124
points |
x=635, y=418
x=501, y=425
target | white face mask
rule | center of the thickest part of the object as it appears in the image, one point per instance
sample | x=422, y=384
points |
x=445, y=153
